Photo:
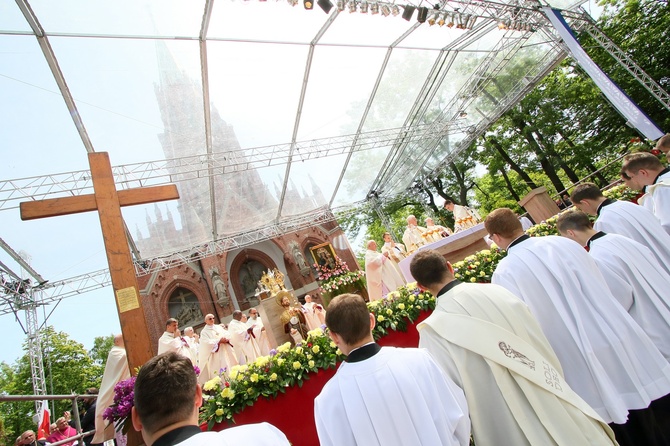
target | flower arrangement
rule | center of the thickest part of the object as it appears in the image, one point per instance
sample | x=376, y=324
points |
x=480, y=266
x=545, y=227
x=267, y=376
x=621, y=192
x=334, y=280
x=119, y=411
x=399, y=307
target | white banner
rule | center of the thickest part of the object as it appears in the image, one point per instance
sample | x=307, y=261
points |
x=627, y=108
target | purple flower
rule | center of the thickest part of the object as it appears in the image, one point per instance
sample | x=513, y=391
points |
x=273, y=352
x=196, y=369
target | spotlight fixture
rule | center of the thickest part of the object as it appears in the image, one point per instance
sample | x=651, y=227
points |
x=386, y=10
x=462, y=114
x=450, y=23
x=308, y=4
x=341, y=4
x=374, y=8
x=441, y=19
x=422, y=15
x=364, y=7
x=326, y=5
x=433, y=18
x=395, y=10
x=460, y=23
x=408, y=12
x=352, y=6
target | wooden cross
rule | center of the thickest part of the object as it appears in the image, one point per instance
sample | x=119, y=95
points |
x=107, y=201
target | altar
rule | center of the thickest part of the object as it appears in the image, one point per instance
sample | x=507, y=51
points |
x=454, y=248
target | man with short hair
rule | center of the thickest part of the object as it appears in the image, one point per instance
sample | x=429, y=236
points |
x=63, y=431
x=464, y=217
x=634, y=276
x=414, y=236
x=172, y=340
x=216, y=355
x=645, y=172
x=436, y=232
x=116, y=369
x=28, y=439
x=663, y=145
x=624, y=218
x=193, y=340
x=607, y=358
x=385, y=396
x=489, y=343
x=381, y=275
x=255, y=322
x=243, y=339
x=167, y=399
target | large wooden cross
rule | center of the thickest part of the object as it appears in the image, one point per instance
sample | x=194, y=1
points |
x=107, y=201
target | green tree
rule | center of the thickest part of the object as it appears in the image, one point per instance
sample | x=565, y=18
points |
x=101, y=347
x=68, y=369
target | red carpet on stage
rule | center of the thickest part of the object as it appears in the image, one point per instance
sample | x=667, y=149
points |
x=293, y=411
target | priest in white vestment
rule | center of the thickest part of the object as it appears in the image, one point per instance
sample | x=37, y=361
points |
x=314, y=313
x=464, y=217
x=380, y=273
x=385, y=396
x=172, y=341
x=241, y=337
x=192, y=339
x=607, y=358
x=414, y=236
x=634, y=276
x=116, y=369
x=624, y=218
x=255, y=322
x=217, y=354
x=645, y=172
x=436, y=232
x=395, y=252
x=489, y=343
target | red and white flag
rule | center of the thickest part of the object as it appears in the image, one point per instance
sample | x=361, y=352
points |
x=44, y=421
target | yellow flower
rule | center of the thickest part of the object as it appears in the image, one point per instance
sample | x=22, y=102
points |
x=482, y=274
x=311, y=364
x=373, y=304
x=262, y=361
x=250, y=391
x=298, y=350
x=380, y=318
x=316, y=349
x=389, y=312
x=485, y=252
x=411, y=286
x=473, y=279
x=280, y=361
x=338, y=352
x=458, y=276
x=316, y=332
x=212, y=383
x=254, y=377
x=219, y=412
x=401, y=306
x=227, y=393
x=273, y=377
x=297, y=365
x=393, y=295
x=233, y=373
x=332, y=344
x=494, y=246
x=412, y=298
x=284, y=347
x=309, y=356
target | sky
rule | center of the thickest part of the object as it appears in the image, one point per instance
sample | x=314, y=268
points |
x=113, y=82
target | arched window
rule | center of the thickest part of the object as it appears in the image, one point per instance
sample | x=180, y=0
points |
x=184, y=306
x=249, y=275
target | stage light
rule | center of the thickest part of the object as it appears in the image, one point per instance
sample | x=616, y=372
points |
x=352, y=6
x=460, y=22
x=408, y=12
x=364, y=7
x=441, y=19
x=395, y=10
x=386, y=10
x=374, y=8
x=326, y=5
x=471, y=21
x=433, y=18
x=422, y=15
x=462, y=114
x=341, y=4
x=308, y=4
x=450, y=23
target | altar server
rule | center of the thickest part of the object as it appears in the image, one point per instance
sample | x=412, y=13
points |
x=644, y=171
x=624, y=218
x=607, y=358
x=381, y=274
x=634, y=276
x=489, y=343
x=385, y=396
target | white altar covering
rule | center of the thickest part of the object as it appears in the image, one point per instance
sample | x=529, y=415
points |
x=404, y=263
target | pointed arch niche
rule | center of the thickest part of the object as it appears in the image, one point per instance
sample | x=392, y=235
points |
x=245, y=272
x=184, y=306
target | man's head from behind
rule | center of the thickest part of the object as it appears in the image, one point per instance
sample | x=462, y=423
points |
x=575, y=225
x=587, y=197
x=430, y=269
x=503, y=227
x=349, y=321
x=166, y=395
x=640, y=169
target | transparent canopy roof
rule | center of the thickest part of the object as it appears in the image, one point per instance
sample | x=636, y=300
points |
x=266, y=116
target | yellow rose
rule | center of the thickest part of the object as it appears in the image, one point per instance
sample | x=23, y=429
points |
x=254, y=377
x=494, y=246
x=284, y=347
x=392, y=295
x=482, y=274
x=298, y=350
x=219, y=412
x=250, y=391
x=280, y=361
x=412, y=298
x=273, y=377
x=332, y=344
x=316, y=332
x=311, y=364
x=380, y=318
x=316, y=349
x=411, y=286
x=227, y=393
x=473, y=279
x=262, y=361
x=233, y=373
x=401, y=306
x=297, y=365
x=458, y=276
x=389, y=312
x=212, y=383
x=309, y=356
